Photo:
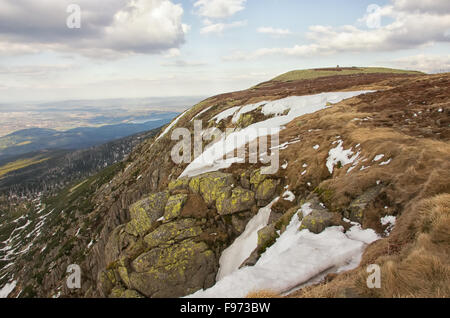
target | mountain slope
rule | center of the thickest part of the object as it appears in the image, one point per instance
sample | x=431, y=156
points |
x=381, y=155
x=37, y=139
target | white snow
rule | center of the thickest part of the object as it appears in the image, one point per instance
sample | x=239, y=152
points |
x=306, y=209
x=201, y=113
x=173, y=123
x=338, y=154
x=212, y=158
x=285, y=165
x=386, y=162
x=245, y=244
x=378, y=157
x=316, y=147
x=367, y=236
x=246, y=109
x=288, y=196
x=390, y=221
x=295, y=258
x=225, y=114
x=7, y=289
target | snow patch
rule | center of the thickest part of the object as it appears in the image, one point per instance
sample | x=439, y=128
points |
x=245, y=244
x=295, y=258
x=386, y=162
x=171, y=126
x=212, y=158
x=390, y=221
x=338, y=154
x=7, y=289
x=288, y=196
x=378, y=158
x=225, y=114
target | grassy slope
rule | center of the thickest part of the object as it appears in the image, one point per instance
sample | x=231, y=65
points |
x=316, y=73
x=20, y=164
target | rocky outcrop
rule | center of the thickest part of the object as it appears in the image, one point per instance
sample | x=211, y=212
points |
x=355, y=211
x=317, y=217
x=172, y=244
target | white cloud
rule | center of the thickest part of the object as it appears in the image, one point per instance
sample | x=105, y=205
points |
x=108, y=27
x=424, y=6
x=220, y=27
x=183, y=63
x=219, y=9
x=424, y=63
x=414, y=24
x=274, y=31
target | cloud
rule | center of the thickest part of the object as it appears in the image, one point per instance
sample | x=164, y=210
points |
x=219, y=9
x=414, y=24
x=33, y=70
x=220, y=27
x=423, y=6
x=108, y=27
x=274, y=31
x=424, y=63
x=183, y=63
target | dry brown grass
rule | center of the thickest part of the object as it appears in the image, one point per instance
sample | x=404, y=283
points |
x=420, y=269
x=263, y=294
x=415, y=258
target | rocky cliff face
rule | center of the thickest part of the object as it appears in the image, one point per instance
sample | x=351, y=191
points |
x=149, y=233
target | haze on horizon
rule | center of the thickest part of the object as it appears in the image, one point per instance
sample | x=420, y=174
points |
x=148, y=48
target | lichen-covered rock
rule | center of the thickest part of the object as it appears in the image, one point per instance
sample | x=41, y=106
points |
x=106, y=281
x=318, y=220
x=117, y=292
x=174, y=271
x=239, y=221
x=239, y=201
x=266, y=191
x=146, y=212
x=245, y=180
x=355, y=211
x=122, y=243
x=212, y=186
x=172, y=232
x=174, y=206
x=129, y=293
x=179, y=184
x=256, y=178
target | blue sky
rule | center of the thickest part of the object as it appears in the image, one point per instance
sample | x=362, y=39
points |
x=144, y=48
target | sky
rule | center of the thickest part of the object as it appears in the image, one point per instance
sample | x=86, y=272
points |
x=54, y=50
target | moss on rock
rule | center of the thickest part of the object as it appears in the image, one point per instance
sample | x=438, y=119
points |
x=174, y=206
x=240, y=200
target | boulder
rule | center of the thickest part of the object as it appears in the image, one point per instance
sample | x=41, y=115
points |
x=174, y=206
x=265, y=191
x=174, y=271
x=239, y=201
x=319, y=220
x=173, y=232
x=212, y=186
x=146, y=212
x=355, y=211
x=179, y=184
